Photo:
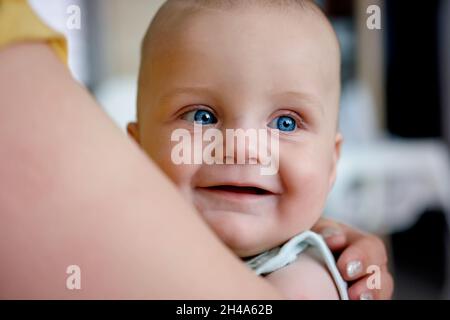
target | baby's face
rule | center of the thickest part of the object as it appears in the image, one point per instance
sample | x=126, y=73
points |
x=255, y=69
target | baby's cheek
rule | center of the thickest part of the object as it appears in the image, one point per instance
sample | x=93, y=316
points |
x=181, y=174
x=160, y=151
x=305, y=183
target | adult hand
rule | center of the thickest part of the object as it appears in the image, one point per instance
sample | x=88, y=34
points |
x=358, y=251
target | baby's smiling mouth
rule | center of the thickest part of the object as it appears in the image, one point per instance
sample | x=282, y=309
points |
x=239, y=190
x=236, y=192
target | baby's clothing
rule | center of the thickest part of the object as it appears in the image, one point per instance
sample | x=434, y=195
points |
x=19, y=23
x=279, y=257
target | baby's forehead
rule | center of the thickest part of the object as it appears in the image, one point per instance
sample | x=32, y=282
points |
x=180, y=27
x=177, y=13
x=175, y=24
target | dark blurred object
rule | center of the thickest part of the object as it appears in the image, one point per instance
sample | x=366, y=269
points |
x=414, y=108
x=339, y=9
x=419, y=258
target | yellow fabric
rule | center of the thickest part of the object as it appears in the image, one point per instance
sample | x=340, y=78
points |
x=19, y=23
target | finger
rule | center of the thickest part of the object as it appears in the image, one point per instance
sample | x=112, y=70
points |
x=355, y=260
x=375, y=286
x=332, y=232
x=335, y=242
x=323, y=223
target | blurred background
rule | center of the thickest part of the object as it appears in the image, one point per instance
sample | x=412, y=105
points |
x=394, y=175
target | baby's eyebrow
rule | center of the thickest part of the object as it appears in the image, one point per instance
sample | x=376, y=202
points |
x=302, y=98
x=179, y=91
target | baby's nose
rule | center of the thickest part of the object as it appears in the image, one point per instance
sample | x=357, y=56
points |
x=244, y=144
x=241, y=146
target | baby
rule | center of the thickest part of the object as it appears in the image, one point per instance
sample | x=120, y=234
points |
x=253, y=64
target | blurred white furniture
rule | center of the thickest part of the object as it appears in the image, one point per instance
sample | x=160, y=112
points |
x=383, y=186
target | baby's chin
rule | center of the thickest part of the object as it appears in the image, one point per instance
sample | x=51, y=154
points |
x=248, y=226
x=245, y=234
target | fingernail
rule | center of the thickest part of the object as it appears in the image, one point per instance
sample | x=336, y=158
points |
x=354, y=268
x=366, y=296
x=330, y=232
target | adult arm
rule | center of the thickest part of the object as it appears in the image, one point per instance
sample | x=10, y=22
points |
x=75, y=191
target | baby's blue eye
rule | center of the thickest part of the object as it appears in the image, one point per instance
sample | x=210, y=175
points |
x=284, y=123
x=202, y=117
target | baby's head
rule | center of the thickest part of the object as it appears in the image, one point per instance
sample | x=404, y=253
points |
x=262, y=64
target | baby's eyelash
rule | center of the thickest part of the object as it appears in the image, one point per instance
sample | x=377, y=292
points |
x=299, y=119
x=301, y=123
x=194, y=107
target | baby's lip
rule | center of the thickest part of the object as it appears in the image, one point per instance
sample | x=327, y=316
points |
x=235, y=194
x=232, y=196
x=240, y=188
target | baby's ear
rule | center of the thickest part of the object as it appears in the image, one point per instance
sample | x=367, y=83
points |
x=133, y=131
x=336, y=155
x=337, y=146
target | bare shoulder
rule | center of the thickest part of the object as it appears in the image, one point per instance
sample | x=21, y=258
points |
x=306, y=278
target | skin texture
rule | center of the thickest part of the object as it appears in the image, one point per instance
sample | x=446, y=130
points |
x=305, y=279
